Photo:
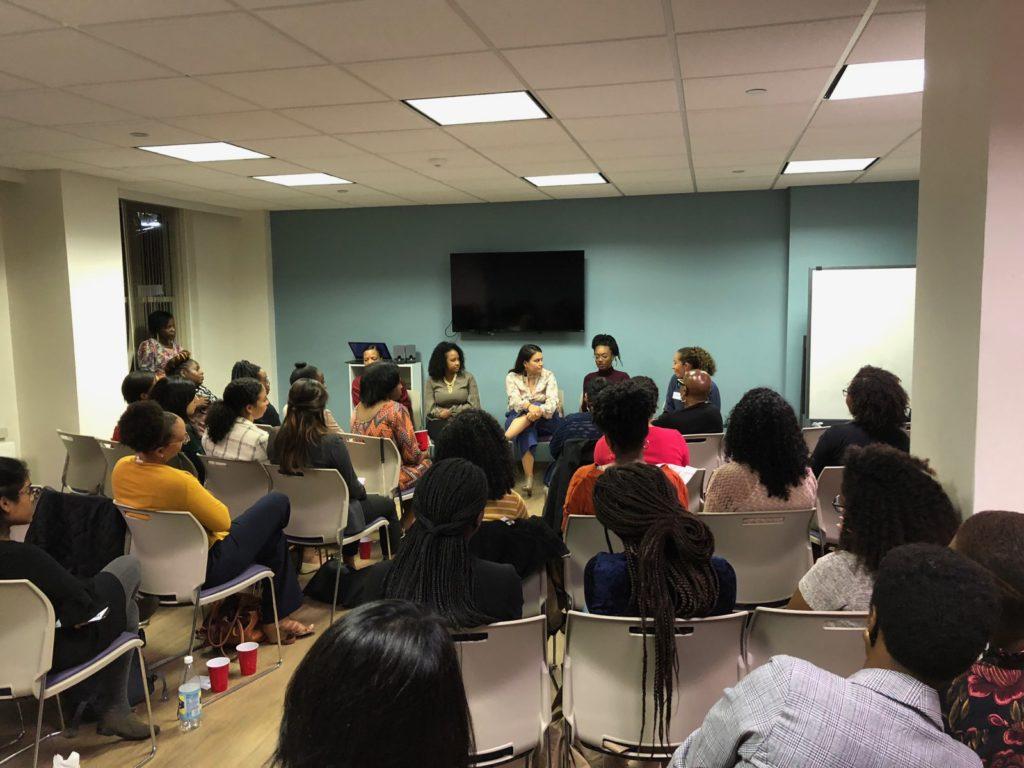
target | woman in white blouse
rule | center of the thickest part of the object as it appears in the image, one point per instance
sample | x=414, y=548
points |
x=532, y=406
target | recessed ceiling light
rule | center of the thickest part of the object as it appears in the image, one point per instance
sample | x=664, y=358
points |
x=880, y=78
x=481, y=108
x=756, y=91
x=207, y=152
x=139, y=134
x=739, y=170
x=566, y=179
x=303, y=179
x=827, y=166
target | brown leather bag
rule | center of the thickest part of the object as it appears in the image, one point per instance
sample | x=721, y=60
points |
x=233, y=620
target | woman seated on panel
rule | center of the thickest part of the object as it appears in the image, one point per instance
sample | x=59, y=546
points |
x=346, y=709
x=621, y=411
x=766, y=455
x=982, y=708
x=243, y=369
x=145, y=481
x=690, y=359
x=888, y=498
x=450, y=388
x=606, y=352
x=181, y=398
x=476, y=436
x=878, y=403
x=76, y=602
x=663, y=445
x=306, y=371
x=380, y=415
x=137, y=385
x=434, y=566
x=158, y=350
x=230, y=431
x=186, y=367
x=532, y=406
x=305, y=441
x=371, y=355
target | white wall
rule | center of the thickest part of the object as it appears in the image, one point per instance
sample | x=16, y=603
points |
x=8, y=387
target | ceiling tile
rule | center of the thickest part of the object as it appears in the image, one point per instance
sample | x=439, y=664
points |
x=797, y=85
x=29, y=161
x=727, y=172
x=873, y=140
x=764, y=49
x=404, y=141
x=815, y=179
x=118, y=158
x=740, y=184
x=269, y=167
x=541, y=159
x=67, y=57
x=56, y=108
x=512, y=134
x=438, y=164
x=711, y=154
x=11, y=83
x=228, y=42
x=518, y=23
x=904, y=107
x=702, y=15
x=170, y=97
x=303, y=147
x=611, y=149
x=120, y=134
x=352, y=166
x=367, y=30
x=296, y=87
x=359, y=118
x=6, y=124
x=676, y=162
x=509, y=184
x=666, y=125
x=890, y=37
x=639, y=188
x=238, y=126
x=602, y=100
x=665, y=176
x=14, y=19
x=773, y=128
x=892, y=169
x=43, y=140
x=911, y=148
x=76, y=12
x=444, y=197
x=517, y=196
x=454, y=75
x=199, y=175
x=620, y=61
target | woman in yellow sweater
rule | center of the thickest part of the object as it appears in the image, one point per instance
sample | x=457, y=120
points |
x=256, y=536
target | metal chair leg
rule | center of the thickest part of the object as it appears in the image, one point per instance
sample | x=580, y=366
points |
x=337, y=583
x=195, y=623
x=21, y=733
x=149, y=714
x=39, y=724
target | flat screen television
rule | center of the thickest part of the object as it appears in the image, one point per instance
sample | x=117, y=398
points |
x=529, y=292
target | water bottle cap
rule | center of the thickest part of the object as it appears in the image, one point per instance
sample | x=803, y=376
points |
x=188, y=659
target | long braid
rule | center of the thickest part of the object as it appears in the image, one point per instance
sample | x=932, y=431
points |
x=668, y=557
x=433, y=565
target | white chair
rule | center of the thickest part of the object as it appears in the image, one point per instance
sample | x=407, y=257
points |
x=268, y=428
x=376, y=460
x=603, y=668
x=832, y=640
x=239, y=484
x=172, y=548
x=26, y=657
x=319, y=500
x=535, y=593
x=584, y=538
x=812, y=435
x=769, y=551
x=695, y=490
x=505, y=672
x=830, y=481
x=84, y=465
x=706, y=451
x=113, y=452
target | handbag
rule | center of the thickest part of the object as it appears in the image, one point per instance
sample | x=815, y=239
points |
x=233, y=620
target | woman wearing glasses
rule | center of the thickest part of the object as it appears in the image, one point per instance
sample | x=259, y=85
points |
x=92, y=612
x=888, y=498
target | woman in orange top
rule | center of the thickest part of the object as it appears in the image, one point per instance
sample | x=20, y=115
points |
x=621, y=410
x=256, y=536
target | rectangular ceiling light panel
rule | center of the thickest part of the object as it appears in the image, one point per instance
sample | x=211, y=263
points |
x=566, y=179
x=303, y=179
x=828, y=166
x=482, y=108
x=880, y=78
x=207, y=152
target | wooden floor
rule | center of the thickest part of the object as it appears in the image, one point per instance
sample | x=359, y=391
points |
x=239, y=731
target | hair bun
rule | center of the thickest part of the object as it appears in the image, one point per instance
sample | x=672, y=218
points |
x=301, y=365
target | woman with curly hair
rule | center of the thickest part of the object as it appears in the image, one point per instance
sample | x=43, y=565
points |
x=767, y=459
x=476, y=436
x=450, y=389
x=662, y=446
x=690, y=359
x=878, y=402
x=888, y=498
x=606, y=352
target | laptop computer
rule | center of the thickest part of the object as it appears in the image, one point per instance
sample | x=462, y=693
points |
x=358, y=347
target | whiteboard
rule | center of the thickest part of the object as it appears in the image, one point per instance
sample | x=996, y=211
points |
x=857, y=317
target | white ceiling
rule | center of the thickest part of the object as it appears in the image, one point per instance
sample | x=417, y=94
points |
x=652, y=93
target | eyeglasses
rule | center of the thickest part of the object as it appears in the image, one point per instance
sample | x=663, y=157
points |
x=845, y=392
x=838, y=507
x=33, y=492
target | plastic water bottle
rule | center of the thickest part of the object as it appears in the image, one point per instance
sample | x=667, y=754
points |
x=190, y=703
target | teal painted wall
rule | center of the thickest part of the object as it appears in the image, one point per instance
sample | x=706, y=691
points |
x=849, y=225
x=661, y=272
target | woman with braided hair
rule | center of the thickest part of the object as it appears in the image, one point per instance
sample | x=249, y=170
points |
x=434, y=567
x=665, y=572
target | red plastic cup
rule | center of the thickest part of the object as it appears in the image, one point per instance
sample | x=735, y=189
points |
x=365, y=549
x=422, y=439
x=218, y=670
x=247, y=658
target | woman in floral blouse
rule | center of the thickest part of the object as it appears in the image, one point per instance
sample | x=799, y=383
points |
x=532, y=406
x=158, y=350
x=984, y=707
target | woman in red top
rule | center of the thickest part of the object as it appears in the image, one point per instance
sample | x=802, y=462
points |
x=371, y=355
x=663, y=445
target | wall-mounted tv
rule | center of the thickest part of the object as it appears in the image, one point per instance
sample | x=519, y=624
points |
x=529, y=292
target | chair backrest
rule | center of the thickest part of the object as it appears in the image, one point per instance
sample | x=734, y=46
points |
x=113, y=452
x=268, y=428
x=172, y=548
x=561, y=402
x=812, y=435
x=604, y=664
x=239, y=484
x=770, y=551
x=504, y=670
x=26, y=638
x=832, y=640
x=695, y=490
x=830, y=481
x=706, y=451
x=584, y=538
x=84, y=466
x=376, y=460
x=184, y=463
x=319, y=499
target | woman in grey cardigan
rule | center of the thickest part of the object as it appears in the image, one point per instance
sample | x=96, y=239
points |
x=450, y=388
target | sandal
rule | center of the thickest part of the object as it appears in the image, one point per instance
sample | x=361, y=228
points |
x=296, y=629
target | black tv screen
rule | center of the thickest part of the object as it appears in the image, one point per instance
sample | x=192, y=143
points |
x=535, y=291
